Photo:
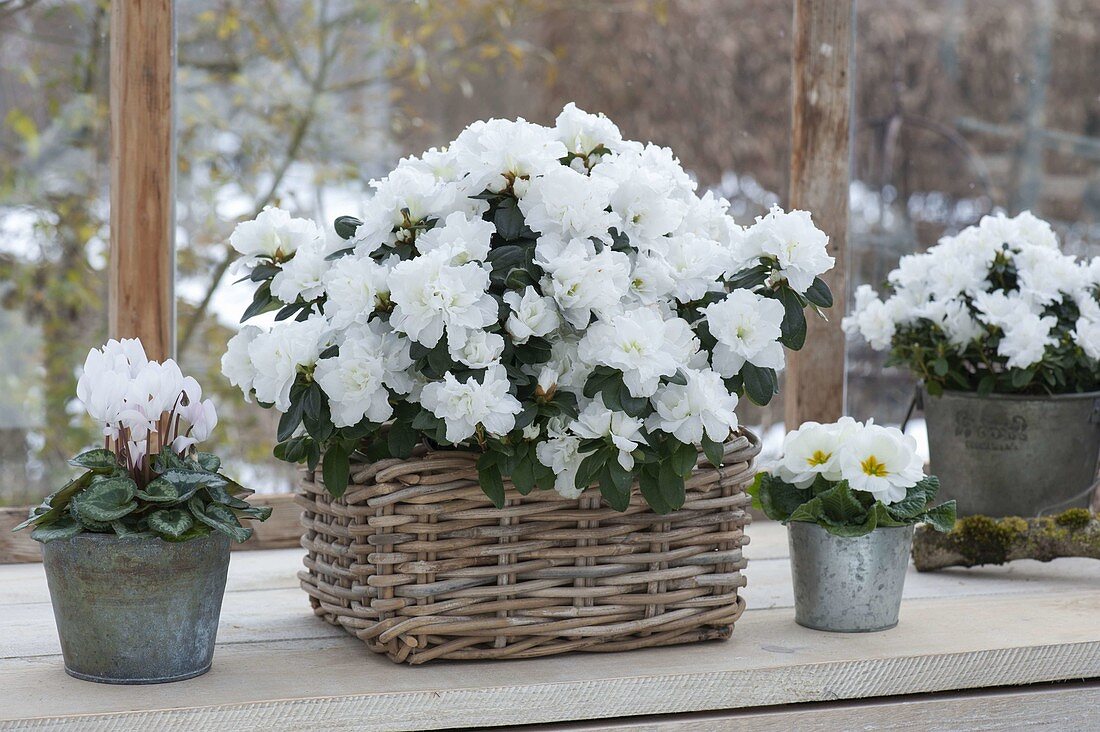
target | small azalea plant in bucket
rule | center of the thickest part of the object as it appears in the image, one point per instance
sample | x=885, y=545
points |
x=136, y=548
x=149, y=479
x=1003, y=331
x=558, y=299
x=850, y=494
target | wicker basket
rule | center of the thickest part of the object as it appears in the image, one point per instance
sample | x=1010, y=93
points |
x=415, y=561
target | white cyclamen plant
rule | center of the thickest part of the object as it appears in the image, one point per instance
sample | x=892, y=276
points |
x=148, y=479
x=557, y=298
x=850, y=478
x=995, y=308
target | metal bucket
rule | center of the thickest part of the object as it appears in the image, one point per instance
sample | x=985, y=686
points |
x=848, y=584
x=136, y=611
x=1008, y=455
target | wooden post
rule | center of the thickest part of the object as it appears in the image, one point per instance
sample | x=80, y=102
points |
x=821, y=101
x=142, y=259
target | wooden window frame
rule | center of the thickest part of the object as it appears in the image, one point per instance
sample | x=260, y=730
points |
x=141, y=301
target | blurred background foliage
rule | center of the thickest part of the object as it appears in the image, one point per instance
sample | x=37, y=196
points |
x=962, y=106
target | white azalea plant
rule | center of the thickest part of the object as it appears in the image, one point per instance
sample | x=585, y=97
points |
x=995, y=308
x=559, y=299
x=148, y=479
x=850, y=478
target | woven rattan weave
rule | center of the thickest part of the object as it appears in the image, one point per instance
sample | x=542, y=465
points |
x=415, y=561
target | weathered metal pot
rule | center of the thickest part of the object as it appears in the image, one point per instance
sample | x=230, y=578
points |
x=1009, y=455
x=848, y=584
x=136, y=611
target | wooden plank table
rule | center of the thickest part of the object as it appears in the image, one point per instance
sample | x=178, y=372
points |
x=280, y=668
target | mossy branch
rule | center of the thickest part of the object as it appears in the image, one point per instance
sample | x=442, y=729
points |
x=982, y=540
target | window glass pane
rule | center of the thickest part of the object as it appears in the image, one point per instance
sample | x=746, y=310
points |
x=965, y=107
x=300, y=102
x=53, y=233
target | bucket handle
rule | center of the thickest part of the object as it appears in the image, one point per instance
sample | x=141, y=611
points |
x=917, y=402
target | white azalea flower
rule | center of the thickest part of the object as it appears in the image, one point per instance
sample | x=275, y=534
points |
x=651, y=279
x=584, y=284
x=568, y=204
x=236, y=364
x=278, y=354
x=431, y=295
x=703, y=406
x=464, y=238
x=464, y=405
x=499, y=151
x=581, y=132
x=641, y=344
x=881, y=461
x=1025, y=340
x=791, y=239
x=354, y=383
x=532, y=316
x=273, y=233
x=355, y=288
x=302, y=277
x=747, y=327
x=871, y=318
x=695, y=265
x=561, y=454
x=597, y=421
x=481, y=349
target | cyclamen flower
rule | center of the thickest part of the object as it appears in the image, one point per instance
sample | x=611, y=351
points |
x=795, y=243
x=625, y=432
x=430, y=295
x=747, y=327
x=464, y=405
x=273, y=233
x=703, y=406
x=641, y=344
x=533, y=316
x=882, y=461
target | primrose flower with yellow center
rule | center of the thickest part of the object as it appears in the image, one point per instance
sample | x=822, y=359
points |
x=882, y=461
x=812, y=449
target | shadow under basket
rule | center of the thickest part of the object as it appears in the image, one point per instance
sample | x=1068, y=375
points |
x=416, y=562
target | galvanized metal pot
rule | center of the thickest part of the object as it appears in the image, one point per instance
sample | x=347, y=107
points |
x=136, y=611
x=1009, y=455
x=848, y=584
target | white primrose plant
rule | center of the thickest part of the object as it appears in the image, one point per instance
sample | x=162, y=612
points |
x=995, y=308
x=558, y=299
x=850, y=478
x=149, y=479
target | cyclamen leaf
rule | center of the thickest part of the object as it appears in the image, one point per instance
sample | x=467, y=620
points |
x=173, y=522
x=64, y=528
x=106, y=500
x=99, y=460
x=160, y=490
x=208, y=461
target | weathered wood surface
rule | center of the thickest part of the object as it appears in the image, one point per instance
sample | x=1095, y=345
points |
x=278, y=667
x=280, y=531
x=142, y=258
x=1057, y=708
x=820, y=111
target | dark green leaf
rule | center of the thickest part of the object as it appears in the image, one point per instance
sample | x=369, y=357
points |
x=290, y=420
x=615, y=485
x=345, y=226
x=840, y=506
x=715, y=451
x=793, y=328
x=336, y=468
x=491, y=483
x=819, y=294
x=683, y=458
x=916, y=499
x=760, y=384
x=671, y=485
x=262, y=301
